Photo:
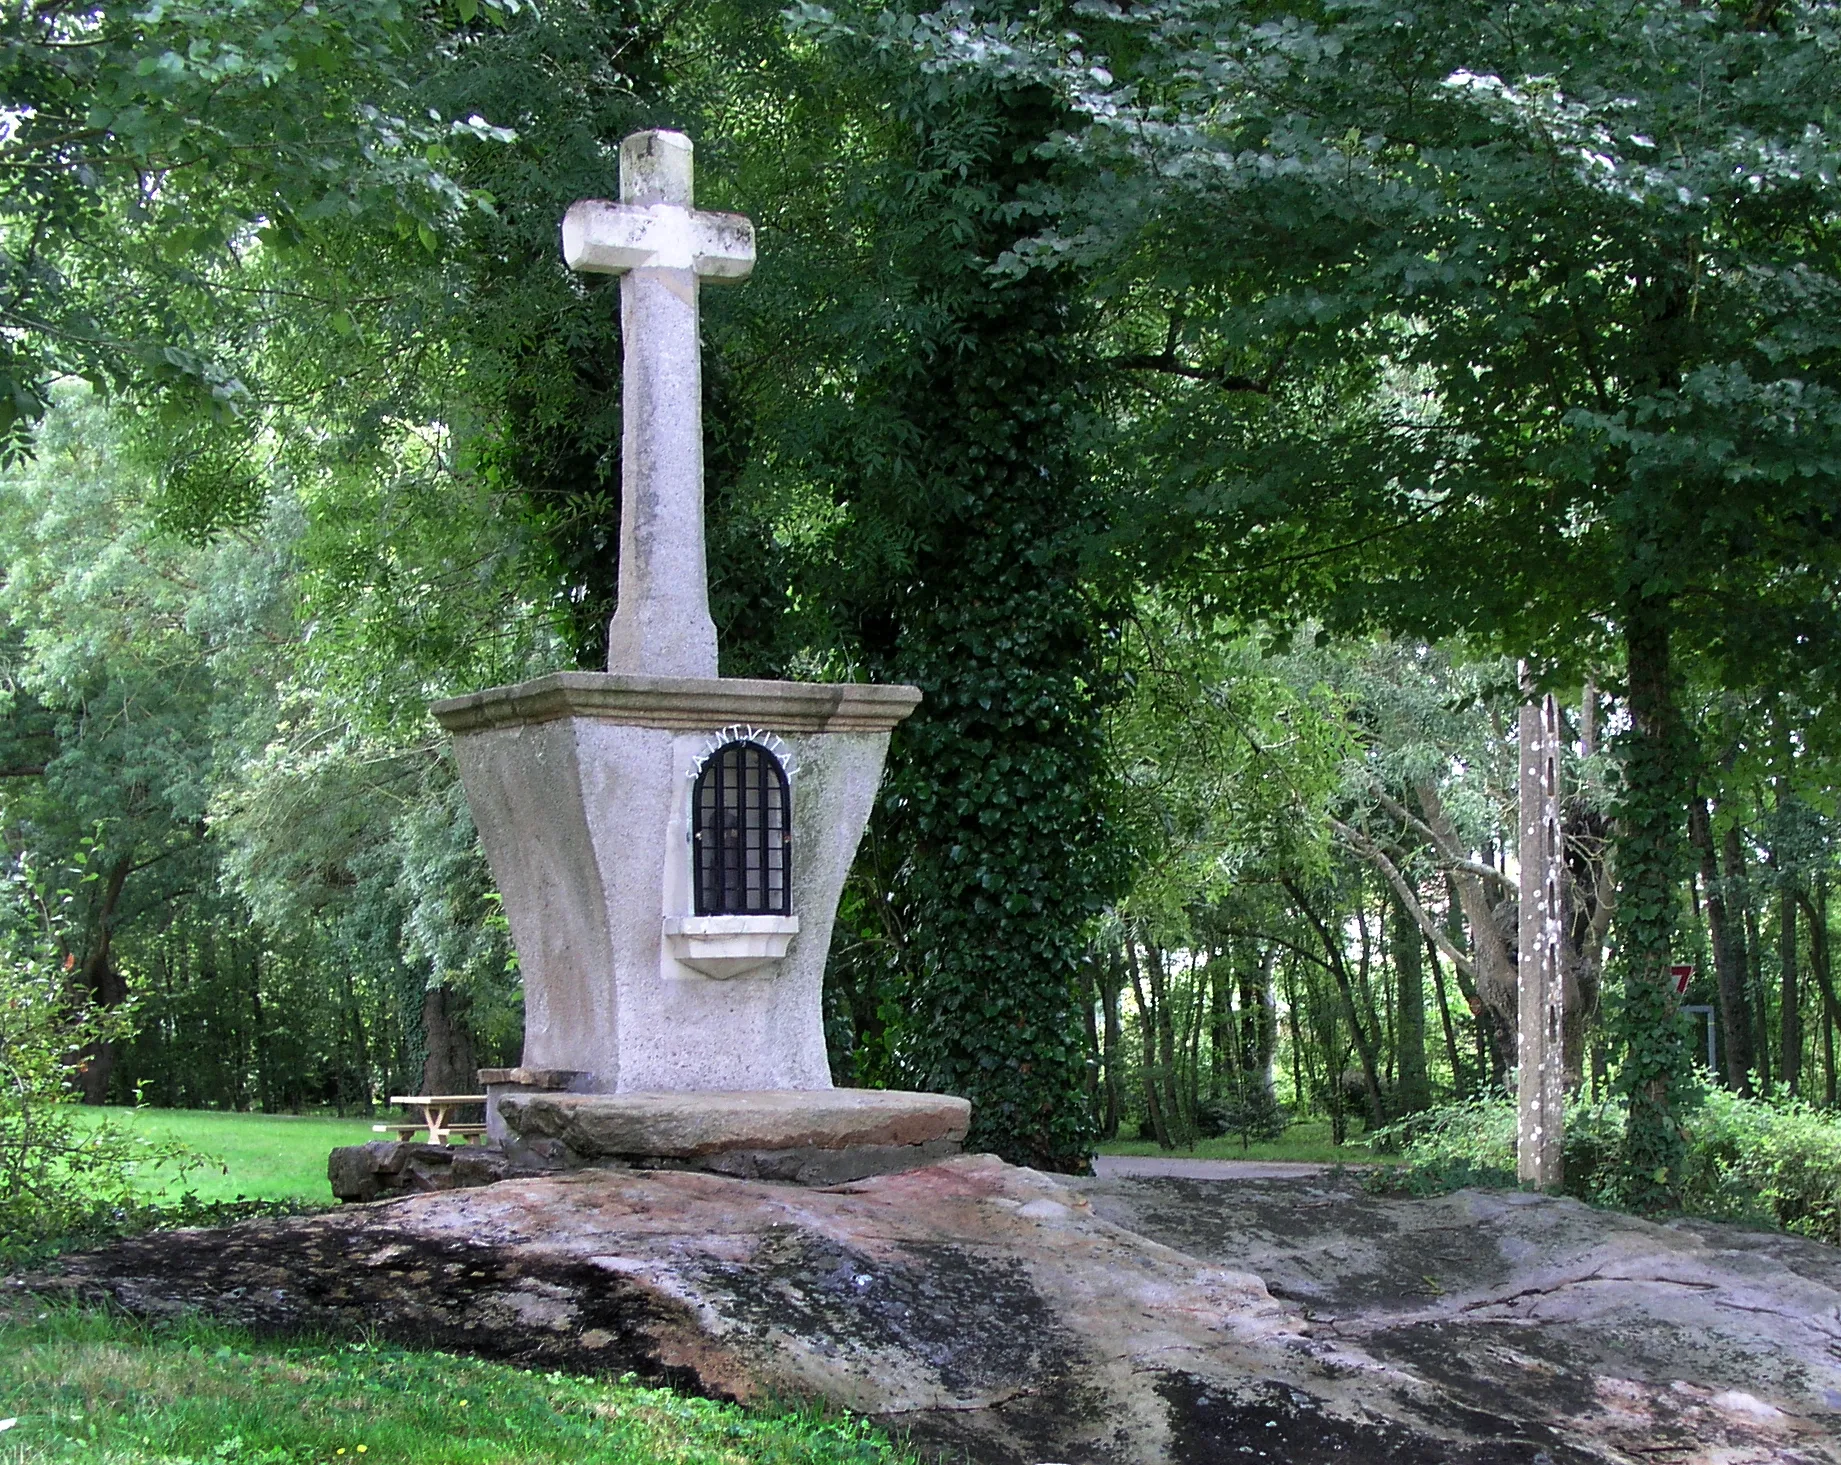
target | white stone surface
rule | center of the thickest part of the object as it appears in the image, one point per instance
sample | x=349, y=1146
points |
x=580, y=783
x=662, y=248
x=730, y=946
x=586, y=824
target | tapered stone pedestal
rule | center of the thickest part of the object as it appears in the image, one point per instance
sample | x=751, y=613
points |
x=670, y=845
x=580, y=784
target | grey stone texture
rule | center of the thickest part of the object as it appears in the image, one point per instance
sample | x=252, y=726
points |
x=683, y=1126
x=499, y=1082
x=538, y=1126
x=1010, y=1318
x=663, y=249
x=810, y=1166
x=580, y=786
x=390, y=1167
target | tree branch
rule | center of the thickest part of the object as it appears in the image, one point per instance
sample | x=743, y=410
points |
x=1167, y=363
x=1370, y=851
x=1442, y=842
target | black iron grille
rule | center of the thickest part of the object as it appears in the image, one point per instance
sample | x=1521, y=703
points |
x=741, y=837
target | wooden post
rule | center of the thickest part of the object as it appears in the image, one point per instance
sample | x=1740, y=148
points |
x=1540, y=1044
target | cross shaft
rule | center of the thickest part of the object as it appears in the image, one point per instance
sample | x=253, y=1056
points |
x=663, y=249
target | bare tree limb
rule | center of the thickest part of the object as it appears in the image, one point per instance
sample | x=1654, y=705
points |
x=1444, y=842
x=1409, y=898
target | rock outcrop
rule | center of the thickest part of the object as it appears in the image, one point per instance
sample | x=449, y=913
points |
x=1010, y=1317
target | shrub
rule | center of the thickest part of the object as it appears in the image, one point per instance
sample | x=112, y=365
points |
x=1257, y=1117
x=1774, y=1162
x=57, y=1173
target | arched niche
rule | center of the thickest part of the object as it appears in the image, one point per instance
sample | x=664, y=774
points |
x=741, y=832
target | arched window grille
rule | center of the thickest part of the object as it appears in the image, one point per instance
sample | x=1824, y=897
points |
x=741, y=834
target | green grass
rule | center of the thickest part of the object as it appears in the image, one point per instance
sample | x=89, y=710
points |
x=101, y=1390
x=260, y=1156
x=1309, y=1140
x=283, y=1156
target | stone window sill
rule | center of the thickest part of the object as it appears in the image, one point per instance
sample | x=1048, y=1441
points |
x=729, y=946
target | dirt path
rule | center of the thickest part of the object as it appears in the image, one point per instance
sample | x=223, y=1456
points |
x=1180, y=1167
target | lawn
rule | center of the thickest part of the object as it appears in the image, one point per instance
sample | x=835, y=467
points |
x=283, y=1156
x=260, y=1156
x=105, y=1390
x=1309, y=1140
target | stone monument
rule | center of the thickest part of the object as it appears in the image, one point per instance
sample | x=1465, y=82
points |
x=671, y=844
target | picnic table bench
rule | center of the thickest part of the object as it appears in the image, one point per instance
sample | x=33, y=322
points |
x=435, y=1110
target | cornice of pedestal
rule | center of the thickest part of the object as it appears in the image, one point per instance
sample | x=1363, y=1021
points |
x=682, y=704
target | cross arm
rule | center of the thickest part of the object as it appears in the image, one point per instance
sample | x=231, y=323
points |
x=606, y=238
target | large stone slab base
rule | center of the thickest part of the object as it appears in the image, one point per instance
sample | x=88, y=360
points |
x=805, y=1137
x=751, y=1133
x=1006, y=1318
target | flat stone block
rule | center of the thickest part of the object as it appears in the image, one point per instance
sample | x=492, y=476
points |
x=534, y=1078
x=688, y=1125
x=810, y=1165
x=684, y=703
x=386, y=1168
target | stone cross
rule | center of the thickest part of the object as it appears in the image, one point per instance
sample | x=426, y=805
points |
x=664, y=249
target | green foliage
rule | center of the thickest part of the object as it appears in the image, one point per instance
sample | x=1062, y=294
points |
x=160, y=157
x=89, y=1386
x=241, y=763
x=1747, y=1160
x=1654, y=1076
x=956, y=564
x=1489, y=322
x=55, y=1170
x=1097, y=360
x=1254, y=1117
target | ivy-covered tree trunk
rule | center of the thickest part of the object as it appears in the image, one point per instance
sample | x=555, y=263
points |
x=994, y=785
x=1650, y=865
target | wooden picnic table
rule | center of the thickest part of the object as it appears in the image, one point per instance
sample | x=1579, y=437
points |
x=435, y=1109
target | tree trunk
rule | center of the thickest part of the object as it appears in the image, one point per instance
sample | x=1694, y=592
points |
x=1168, y=1075
x=1223, y=1054
x=1821, y=966
x=1458, y=1087
x=1738, y=887
x=1790, y=1014
x=1414, y=1091
x=1090, y=1014
x=358, y=1091
x=1364, y=1044
x=1656, y=1067
x=105, y=985
x=1492, y=953
x=1147, y=1039
x=1259, y=1020
x=1299, y=1098
x=1490, y=1057
x=1114, y=985
x=451, y=1067
x=1728, y=955
x=1541, y=960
